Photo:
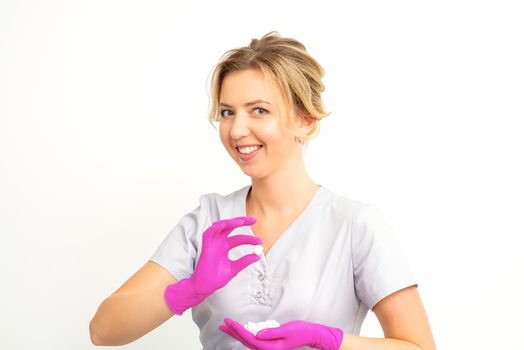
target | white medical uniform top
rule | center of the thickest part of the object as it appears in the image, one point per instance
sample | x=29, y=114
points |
x=330, y=266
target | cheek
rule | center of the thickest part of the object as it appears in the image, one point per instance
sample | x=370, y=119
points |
x=224, y=139
x=277, y=139
x=222, y=133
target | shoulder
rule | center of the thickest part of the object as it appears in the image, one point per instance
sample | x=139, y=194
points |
x=345, y=208
x=213, y=199
x=219, y=206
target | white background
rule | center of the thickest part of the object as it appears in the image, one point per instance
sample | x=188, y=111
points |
x=105, y=144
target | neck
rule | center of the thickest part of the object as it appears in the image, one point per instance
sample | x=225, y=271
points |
x=281, y=194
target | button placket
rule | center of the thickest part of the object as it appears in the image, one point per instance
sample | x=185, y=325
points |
x=262, y=287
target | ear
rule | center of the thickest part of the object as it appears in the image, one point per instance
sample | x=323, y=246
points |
x=307, y=123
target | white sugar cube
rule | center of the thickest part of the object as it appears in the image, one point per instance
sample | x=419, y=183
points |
x=258, y=250
x=256, y=327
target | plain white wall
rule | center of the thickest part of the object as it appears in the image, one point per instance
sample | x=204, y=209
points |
x=105, y=144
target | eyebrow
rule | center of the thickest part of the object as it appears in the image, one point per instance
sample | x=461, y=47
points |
x=247, y=104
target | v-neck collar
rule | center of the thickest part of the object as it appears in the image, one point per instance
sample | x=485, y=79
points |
x=285, y=234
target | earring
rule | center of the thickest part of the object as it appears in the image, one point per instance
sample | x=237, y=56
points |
x=300, y=140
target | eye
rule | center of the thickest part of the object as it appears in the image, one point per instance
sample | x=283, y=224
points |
x=261, y=111
x=224, y=113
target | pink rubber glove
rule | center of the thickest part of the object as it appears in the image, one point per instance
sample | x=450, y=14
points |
x=214, y=269
x=291, y=335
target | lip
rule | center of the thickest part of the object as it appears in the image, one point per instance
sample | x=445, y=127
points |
x=250, y=156
x=247, y=145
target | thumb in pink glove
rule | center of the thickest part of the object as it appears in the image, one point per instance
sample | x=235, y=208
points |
x=214, y=268
x=291, y=335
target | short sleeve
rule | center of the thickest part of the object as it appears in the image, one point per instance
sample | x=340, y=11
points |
x=178, y=250
x=380, y=266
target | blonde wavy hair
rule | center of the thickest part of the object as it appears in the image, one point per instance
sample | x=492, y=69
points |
x=286, y=66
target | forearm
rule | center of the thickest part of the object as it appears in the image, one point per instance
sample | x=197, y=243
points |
x=121, y=319
x=354, y=342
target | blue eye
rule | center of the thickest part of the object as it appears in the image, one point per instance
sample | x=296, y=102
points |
x=225, y=111
x=260, y=109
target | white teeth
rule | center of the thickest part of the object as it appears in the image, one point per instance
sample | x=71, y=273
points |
x=247, y=150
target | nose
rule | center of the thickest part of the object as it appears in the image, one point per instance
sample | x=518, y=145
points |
x=240, y=125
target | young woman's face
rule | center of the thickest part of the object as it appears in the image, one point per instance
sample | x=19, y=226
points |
x=249, y=116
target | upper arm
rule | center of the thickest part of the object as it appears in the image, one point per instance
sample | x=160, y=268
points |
x=150, y=276
x=402, y=316
x=380, y=265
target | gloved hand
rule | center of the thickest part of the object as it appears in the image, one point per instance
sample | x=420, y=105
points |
x=290, y=335
x=214, y=269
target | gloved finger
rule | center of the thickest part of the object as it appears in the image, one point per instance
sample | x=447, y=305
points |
x=222, y=227
x=213, y=230
x=227, y=329
x=271, y=333
x=243, y=335
x=249, y=338
x=237, y=240
x=243, y=262
x=233, y=223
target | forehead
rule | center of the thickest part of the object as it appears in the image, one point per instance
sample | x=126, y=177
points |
x=246, y=85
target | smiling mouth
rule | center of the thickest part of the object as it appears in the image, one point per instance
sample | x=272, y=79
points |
x=252, y=149
x=248, y=156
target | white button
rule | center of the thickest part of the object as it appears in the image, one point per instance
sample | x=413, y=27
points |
x=259, y=295
x=261, y=276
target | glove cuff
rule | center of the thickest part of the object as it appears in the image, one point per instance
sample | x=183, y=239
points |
x=181, y=296
x=329, y=338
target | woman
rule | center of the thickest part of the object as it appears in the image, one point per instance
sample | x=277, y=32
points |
x=326, y=259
